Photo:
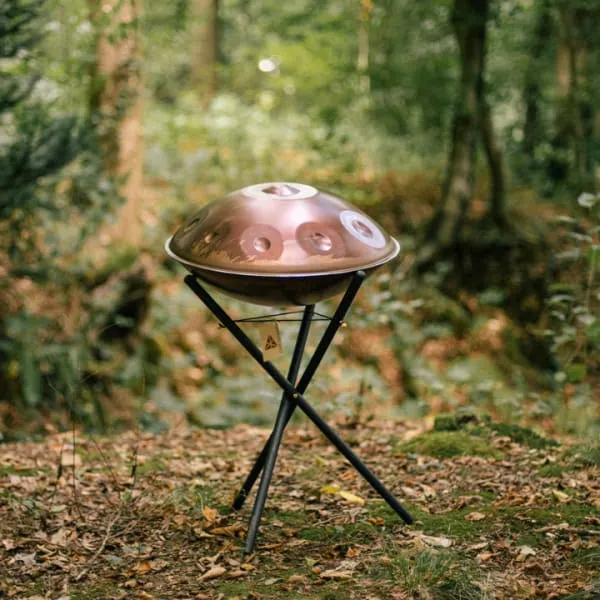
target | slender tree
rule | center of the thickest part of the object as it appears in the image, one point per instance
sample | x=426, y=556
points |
x=116, y=100
x=541, y=38
x=205, y=48
x=362, y=58
x=573, y=140
x=472, y=119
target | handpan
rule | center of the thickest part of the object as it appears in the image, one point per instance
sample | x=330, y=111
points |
x=280, y=244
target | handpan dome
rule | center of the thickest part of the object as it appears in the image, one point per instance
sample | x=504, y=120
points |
x=280, y=243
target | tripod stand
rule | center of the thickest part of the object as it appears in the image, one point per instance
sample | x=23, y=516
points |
x=293, y=397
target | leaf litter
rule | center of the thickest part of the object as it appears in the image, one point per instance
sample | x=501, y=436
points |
x=147, y=516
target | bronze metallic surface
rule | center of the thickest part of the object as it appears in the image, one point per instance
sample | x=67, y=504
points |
x=280, y=244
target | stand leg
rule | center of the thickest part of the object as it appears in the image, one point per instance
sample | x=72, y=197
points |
x=310, y=412
x=297, y=397
x=285, y=408
x=313, y=365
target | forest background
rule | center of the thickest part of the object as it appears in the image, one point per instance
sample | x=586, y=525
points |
x=468, y=128
x=468, y=375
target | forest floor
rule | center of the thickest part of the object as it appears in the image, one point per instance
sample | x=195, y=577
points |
x=499, y=513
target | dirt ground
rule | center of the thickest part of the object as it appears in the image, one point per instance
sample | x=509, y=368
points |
x=148, y=516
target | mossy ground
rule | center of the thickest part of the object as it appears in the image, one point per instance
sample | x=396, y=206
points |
x=154, y=521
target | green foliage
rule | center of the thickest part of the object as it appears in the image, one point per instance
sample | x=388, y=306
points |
x=523, y=436
x=420, y=573
x=446, y=444
x=50, y=178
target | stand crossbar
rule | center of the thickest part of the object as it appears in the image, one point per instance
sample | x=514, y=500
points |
x=292, y=397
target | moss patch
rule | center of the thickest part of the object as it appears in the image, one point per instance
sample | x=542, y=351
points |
x=523, y=436
x=93, y=592
x=452, y=524
x=552, y=470
x=6, y=470
x=446, y=444
x=151, y=466
x=585, y=456
x=573, y=513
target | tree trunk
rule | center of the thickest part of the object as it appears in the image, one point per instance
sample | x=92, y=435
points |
x=497, y=208
x=205, y=49
x=532, y=128
x=469, y=20
x=116, y=97
x=572, y=143
x=362, y=59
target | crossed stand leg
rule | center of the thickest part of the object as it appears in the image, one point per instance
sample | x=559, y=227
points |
x=292, y=397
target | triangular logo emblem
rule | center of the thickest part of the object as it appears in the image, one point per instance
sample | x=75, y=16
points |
x=270, y=343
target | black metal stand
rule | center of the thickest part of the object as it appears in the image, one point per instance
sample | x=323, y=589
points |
x=292, y=397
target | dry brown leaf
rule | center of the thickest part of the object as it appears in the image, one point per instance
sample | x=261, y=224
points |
x=524, y=552
x=143, y=568
x=334, y=574
x=560, y=496
x=213, y=573
x=475, y=516
x=159, y=564
x=60, y=537
x=483, y=556
x=231, y=530
x=440, y=542
x=238, y=573
x=210, y=514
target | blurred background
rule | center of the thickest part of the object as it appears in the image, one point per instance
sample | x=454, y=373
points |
x=469, y=129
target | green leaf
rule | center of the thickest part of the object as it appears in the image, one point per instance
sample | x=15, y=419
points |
x=576, y=372
x=593, y=332
x=587, y=200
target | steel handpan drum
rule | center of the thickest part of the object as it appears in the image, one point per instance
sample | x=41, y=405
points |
x=280, y=244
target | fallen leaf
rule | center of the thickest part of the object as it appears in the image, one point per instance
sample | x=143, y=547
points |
x=8, y=544
x=27, y=559
x=238, y=573
x=524, y=552
x=441, y=542
x=70, y=459
x=210, y=514
x=330, y=489
x=59, y=538
x=335, y=574
x=232, y=530
x=213, y=573
x=560, y=496
x=142, y=568
x=475, y=516
x=479, y=546
x=159, y=564
x=483, y=556
x=352, y=498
